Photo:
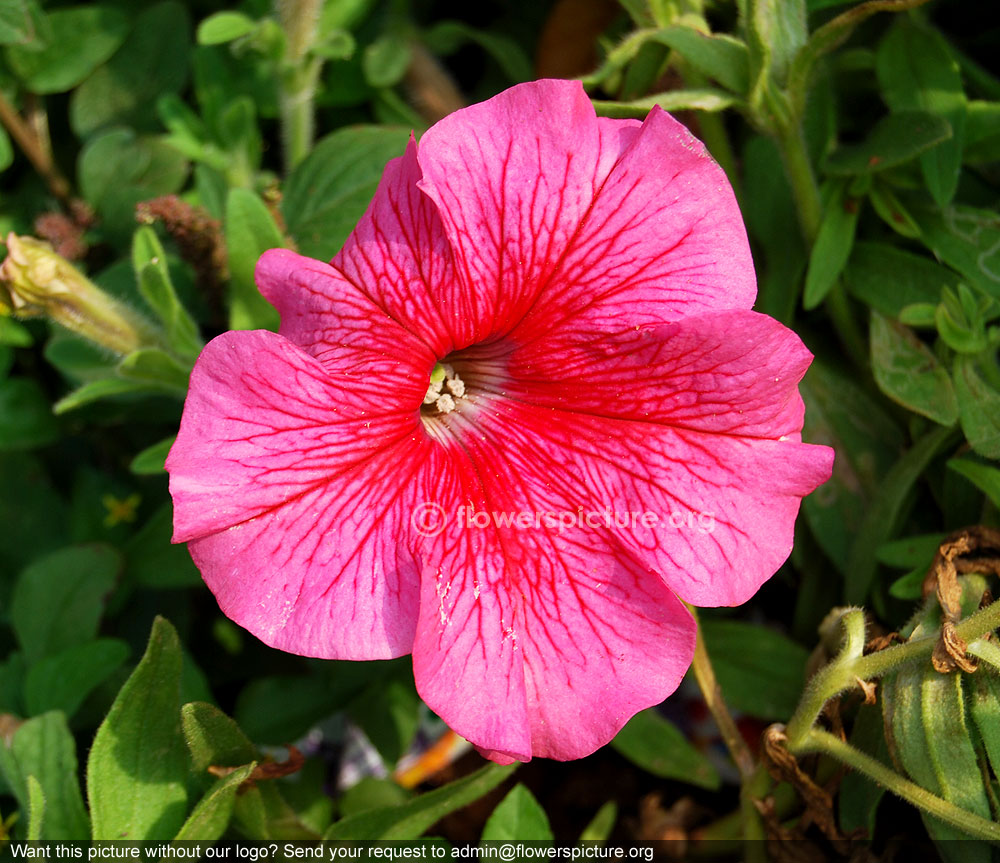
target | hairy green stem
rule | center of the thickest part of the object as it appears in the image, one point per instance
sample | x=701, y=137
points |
x=299, y=20
x=849, y=667
x=974, y=825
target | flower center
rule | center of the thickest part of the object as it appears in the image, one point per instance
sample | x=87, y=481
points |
x=444, y=392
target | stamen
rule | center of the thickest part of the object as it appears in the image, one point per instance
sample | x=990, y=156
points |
x=444, y=377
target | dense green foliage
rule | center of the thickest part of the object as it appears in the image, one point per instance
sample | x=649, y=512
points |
x=863, y=141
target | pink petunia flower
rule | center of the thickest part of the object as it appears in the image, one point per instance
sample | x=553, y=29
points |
x=523, y=413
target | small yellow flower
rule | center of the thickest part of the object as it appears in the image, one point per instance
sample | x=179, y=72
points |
x=120, y=510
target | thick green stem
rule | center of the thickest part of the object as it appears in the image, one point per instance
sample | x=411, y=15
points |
x=974, y=825
x=299, y=20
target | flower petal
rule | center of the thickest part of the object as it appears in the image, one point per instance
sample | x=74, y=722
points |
x=336, y=322
x=713, y=514
x=733, y=372
x=296, y=498
x=400, y=257
x=554, y=215
x=533, y=640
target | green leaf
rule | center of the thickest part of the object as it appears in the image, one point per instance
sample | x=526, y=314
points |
x=58, y=601
x=889, y=279
x=239, y=134
x=36, y=809
x=907, y=371
x=914, y=553
x=212, y=814
x=967, y=239
x=891, y=210
x=760, y=671
x=155, y=368
x=982, y=132
x=518, y=818
x=385, y=61
x=371, y=793
x=224, y=27
x=82, y=38
x=328, y=192
x=15, y=334
x=859, y=796
x=916, y=71
x=657, y=746
x=151, y=460
x=772, y=221
x=152, y=61
x=895, y=139
x=62, y=681
x=907, y=736
x=700, y=99
x=12, y=674
x=6, y=150
x=953, y=757
x=117, y=170
x=601, y=825
x=410, y=820
x=718, y=56
x=833, y=246
x=840, y=414
x=984, y=705
x=979, y=405
x=96, y=390
x=910, y=551
x=305, y=700
x=909, y=587
x=22, y=23
x=961, y=322
x=344, y=15
x=32, y=512
x=882, y=515
x=250, y=231
x=43, y=748
x=985, y=477
x=446, y=37
x=777, y=30
x=263, y=813
x=153, y=561
x=388, y=713
x=26, y=420
x=150, y=263
x=138, y=765
x=214, y=738
x=79, y=360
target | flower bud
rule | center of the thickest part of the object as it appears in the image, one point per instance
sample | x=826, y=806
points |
x=36, y=282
